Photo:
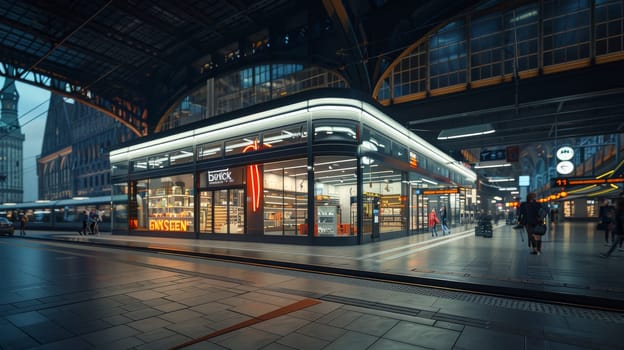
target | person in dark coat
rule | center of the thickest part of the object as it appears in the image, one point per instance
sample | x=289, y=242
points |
x=529, y=218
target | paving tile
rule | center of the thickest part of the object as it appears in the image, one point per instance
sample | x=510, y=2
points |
x=248, y=338
x=303, y=342
x=26, y=318
x=194, y=328
x=322, y=331
x=352, y=340
x=387, y=344
x=181, y=315
x=143, y=313
x=145, y=295
x=149, y=324
x=109, y=335
x=422, y=335
x=46, y=332
x=206, y=345
x=254, y=309
x=282, y=325
x=480, y=338
x=371, y=324
x=70, y=343
x=155, y=334
x=164, y=343
x=210, y=307
x=340, y=318
x=169, y=306
x=12, y=337
x=116, y=320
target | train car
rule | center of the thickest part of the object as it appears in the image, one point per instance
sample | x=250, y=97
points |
x=58, y=215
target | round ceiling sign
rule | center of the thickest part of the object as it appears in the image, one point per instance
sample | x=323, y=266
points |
x=565, y=153
x=565, y=167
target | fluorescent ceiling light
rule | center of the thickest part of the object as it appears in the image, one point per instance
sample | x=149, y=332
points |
x=484, y=166
x=501, y=179
x=467, y=131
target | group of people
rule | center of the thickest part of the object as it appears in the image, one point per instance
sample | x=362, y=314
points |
x=90, y=222
x=435, y=220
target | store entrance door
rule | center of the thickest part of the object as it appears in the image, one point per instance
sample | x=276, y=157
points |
x=222, y=211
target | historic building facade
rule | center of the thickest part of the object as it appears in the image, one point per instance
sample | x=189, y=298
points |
x=11, y=146
x=74, y=154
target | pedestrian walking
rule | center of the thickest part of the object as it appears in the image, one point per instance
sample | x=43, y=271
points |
x=618, y=228
x=531, y=216
x=23, y=220
x=433, y=222
x=85, y=220
x=444, y=221
x=605, y=214
x=93, y=220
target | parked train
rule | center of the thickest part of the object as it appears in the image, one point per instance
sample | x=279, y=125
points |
x=58, y=215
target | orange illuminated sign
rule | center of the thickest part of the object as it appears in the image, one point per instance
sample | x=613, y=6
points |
x=441, y=191
x=168, y=225
x=563, y=182
x=254, y=178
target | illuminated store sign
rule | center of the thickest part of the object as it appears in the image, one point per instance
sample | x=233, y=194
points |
x=223, y=176
x=438, y=192
x=171, y=225
x=254, y=178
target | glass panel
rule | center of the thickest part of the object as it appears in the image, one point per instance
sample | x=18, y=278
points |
x=241, y=145
x=521, y=31
x=236, y=213
x=210, y=150
x=288, y=135
x=384, y=183
x=158, y=161
x=334, y=191
x=164, y=204
x=181, y=156
x=139, y=165
x=205, y=212
x=285, y=197
x=609, y=26
x=119, y=215
x=220, y=211
x=447, y=56
x=335, y=132
x=566, y=30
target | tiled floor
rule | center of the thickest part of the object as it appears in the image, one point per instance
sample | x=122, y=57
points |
x=83, y=296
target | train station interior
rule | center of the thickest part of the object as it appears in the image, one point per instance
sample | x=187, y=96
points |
x=362, y=160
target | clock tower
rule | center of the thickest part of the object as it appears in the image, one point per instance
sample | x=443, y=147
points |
x=11, y=146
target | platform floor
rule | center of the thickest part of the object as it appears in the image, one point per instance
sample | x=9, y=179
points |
x=133, y=302
x=570, y=263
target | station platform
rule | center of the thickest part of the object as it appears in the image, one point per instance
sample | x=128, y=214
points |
x=569, y=271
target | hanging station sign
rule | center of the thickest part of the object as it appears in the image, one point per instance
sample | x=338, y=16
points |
x=564, y=155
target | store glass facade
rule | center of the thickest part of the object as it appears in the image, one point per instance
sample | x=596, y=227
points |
x=358, y=177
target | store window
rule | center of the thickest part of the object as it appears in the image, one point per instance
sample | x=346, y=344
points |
x=383, y=185
x=286, y=136
x=335, y=131
x=242, y=145
x=210, y=150
x=286, y=197
x=335, y=193
x=164, y=204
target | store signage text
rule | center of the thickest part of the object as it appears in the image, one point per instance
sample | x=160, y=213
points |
x=222, y=176
x=168, y=225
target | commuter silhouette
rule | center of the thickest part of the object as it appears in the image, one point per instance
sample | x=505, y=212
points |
x=530, y=217
x=444, y=221
x=605, y=213
x=618, y=228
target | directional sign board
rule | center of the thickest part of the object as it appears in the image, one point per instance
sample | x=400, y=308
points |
x=580, y=181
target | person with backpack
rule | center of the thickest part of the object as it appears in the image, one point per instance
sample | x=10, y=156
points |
x=618, y=228
x=532, y=215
